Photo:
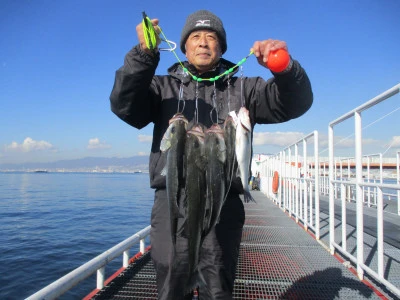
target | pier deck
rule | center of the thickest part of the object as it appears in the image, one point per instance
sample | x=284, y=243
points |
x=278, y=260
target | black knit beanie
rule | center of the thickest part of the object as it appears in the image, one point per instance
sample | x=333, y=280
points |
x=203, y=19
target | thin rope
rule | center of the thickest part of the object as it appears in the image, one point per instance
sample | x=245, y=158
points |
x=365, y=127
x=390, y=146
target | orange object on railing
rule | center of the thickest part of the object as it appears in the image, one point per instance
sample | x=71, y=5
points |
x=275, y=182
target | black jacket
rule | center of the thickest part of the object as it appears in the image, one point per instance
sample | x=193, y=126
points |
x=140, y=97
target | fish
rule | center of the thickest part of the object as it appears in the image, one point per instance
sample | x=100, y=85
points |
x=243, y=150
x=195, y=188
x=215, y=151
x=230, y=142
x=173, y=144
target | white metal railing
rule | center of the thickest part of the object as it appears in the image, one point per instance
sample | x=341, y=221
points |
x=97, y=264
x=359, y=185
x=297, y=194
x=346, y=189
x=361, y=189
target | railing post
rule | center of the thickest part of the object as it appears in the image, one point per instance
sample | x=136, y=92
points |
x=398, y=182
x=100, y=277
x=304, y=206
x=331, y=196
x=344, y=218
x=334, y=178
x=359, y=194
x=280, y=189
x=142, y=246
x=316, y=183
x=289, y=173
x=284, y=185
x=380, y=232
x=296, y=181
x=368, y=178
x=125, y=259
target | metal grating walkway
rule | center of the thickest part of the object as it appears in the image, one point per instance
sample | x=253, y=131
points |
x=277, y=260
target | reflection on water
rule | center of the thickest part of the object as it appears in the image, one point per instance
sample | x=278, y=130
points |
x=51, y=223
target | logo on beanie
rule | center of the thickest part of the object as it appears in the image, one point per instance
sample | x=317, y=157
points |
x=203, y=23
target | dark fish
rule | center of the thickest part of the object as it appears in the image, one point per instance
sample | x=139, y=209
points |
x=215, y=150
x=173, y=142
x=230, y=142
x=195, y=197
x=243, y=150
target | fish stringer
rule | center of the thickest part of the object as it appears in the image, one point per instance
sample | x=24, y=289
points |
x=196, y=110
x=241, y=86
x=229, y=93
x=214, y=103
x=180, y=99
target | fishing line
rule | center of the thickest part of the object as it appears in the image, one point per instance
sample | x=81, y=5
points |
x=229, y=93
x=241, y=86
x=197, y=103
x=214, y=97
x=390, y=146
x=181, y=98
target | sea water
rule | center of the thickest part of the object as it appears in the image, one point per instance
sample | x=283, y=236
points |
x=52, y=223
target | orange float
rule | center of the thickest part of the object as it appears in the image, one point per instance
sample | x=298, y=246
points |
x=278, y=60
x=275, y=182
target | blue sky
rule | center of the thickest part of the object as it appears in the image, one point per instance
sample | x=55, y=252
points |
x=58, y=60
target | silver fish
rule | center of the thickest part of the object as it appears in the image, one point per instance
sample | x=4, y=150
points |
x=215, y=150
x=173, y=142
x=243, y=150
x=195, y=196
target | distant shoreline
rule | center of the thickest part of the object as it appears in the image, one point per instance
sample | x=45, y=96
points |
x=76, y=171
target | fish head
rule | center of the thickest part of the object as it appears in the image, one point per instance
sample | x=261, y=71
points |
x=197, y=132
x=177, y=127
x=197, y=129
x=178, y=117
x=229, y=122
x=178, y=124
x=216, y=134
x=215, y=128
x=195, y=146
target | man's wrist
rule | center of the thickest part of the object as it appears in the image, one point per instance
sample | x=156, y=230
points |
x=287, y=69
x=146, y=50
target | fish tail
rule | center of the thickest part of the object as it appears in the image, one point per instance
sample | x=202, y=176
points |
x=248, y=197
x=230, y=175
x=175, y=211
x=173, y=225
x=195, y=281
x=201, y=281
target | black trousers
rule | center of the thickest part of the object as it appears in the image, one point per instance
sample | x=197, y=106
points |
x=218, y=254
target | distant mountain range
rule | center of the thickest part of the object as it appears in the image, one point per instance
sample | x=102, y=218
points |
x=134, y=163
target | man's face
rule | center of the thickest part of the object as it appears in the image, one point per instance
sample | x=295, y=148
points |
x=203, y=50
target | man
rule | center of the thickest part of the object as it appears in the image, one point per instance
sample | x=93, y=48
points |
x=140, y=97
